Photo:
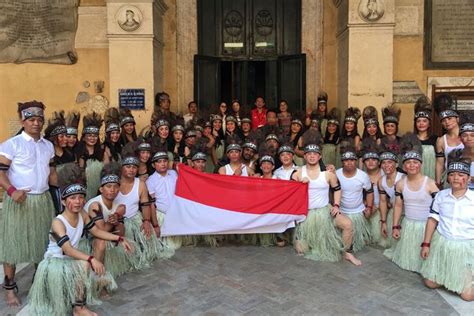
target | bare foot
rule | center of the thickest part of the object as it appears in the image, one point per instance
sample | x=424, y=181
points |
x=299, y=248
x=12, y=299
x=352, y=259
x=83, y=311
x=104, y=294
x=280, y=243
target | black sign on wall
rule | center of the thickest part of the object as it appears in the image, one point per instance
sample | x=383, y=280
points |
x=133, y=99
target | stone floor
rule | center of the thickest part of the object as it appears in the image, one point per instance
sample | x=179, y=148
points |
x=266, y=281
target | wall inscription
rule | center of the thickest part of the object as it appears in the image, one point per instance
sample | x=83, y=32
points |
x=449, y=28
x=38, y=31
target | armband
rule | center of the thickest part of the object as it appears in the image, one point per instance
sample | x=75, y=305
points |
x=336, y=188
x=400, y=194
x=53, y=163
x=4, y=167
x=60, y=241
x=440, y=154
x=371, y=190
x=382, y=192
x=148, y=203
x=89, y=225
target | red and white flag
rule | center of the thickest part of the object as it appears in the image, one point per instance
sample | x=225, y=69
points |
x=206, y=204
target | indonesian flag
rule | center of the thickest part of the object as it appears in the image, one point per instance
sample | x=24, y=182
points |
x=207, y=204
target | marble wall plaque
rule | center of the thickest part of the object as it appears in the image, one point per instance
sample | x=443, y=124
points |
x=450, y=33
x=38, y=31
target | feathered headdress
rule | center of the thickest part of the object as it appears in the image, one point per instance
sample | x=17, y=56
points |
x=71, y=180
x=91, y=123
x=334, y=116
x=443, y=105
x=347, y=149
x=112, y=120
x=466, y=122
x=370, y=149
x=411, y=148
x=110, y=173
x=423, y=108
x=56, y=125
x=391, y=114
x=352, y=114
x=312, y=141
x=72, y=122
x=458, y=163
x=322, y=97
x=126, y=117
x=370, y=115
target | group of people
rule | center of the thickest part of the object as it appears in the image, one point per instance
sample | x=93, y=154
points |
x=86, y=211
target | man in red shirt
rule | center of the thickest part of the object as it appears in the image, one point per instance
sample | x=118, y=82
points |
x=259, y=113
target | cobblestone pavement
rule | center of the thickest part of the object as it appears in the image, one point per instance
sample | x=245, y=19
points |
x=265, y=281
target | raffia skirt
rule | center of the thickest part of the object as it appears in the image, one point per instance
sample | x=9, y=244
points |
x=361, y=231
x=146, y=250
x=329, y=154
x=93, y=169
x=406, y=252
x=450, y=263
x=319, y=236
x=60, y=282
x=375, y=226
x=171, y=242
x=429, y=161
x=24, y=228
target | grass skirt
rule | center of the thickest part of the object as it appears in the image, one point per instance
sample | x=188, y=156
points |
x=172, y=242
x=450, y=263
x=362, y=234
x=329, y=154
x=406, y=252
x=146, y=250
x=93, y=169
x=117, y=261
x=60, y=282
x=319, y=236
x=24, y=228
x=429, y=161
x=377, y=238
x=263, y=240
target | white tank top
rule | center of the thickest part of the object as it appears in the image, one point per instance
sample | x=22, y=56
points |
x=74, y=234
x=376, y=191
x=391, y=190
x=471, y=183
x=230, y=172
x=416, y=203
x=105, y=210
x=131, y=200
x=318, y=189
x=448, y=149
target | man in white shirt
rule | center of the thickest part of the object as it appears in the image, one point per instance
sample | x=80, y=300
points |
x=353, y=184
x=25, y=174
x=449, y=260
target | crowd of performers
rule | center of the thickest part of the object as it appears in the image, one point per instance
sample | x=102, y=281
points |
x=86, y=211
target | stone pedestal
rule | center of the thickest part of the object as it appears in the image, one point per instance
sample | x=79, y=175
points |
x=135, y=50
x=365, y=53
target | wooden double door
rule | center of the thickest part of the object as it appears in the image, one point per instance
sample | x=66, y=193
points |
x=250, y=48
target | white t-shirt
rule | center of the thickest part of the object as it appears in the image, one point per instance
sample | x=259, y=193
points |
x=106, y=212
x=285, y=174
x=455, y=216
x=162, y=188
x=352, y=198
x=29, y=168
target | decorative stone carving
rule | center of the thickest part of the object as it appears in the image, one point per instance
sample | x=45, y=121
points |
x=98, y=86
x=97, y=103
x=233, y=23
x=129, y=18
x=371, y=10
x=82, y=96
x=264, y=23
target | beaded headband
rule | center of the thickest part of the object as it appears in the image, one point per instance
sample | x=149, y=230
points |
x=73, y=189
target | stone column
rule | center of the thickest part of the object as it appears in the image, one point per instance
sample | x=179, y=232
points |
x=134, y=50
x=365, y=52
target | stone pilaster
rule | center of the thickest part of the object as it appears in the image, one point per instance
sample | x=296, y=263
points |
x=365, y=52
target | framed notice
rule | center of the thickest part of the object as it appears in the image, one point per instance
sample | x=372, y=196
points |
x=133, y=99
x=449, y=34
